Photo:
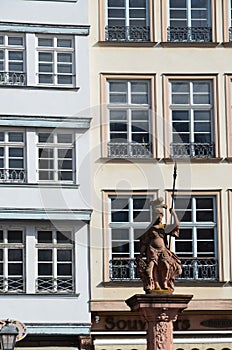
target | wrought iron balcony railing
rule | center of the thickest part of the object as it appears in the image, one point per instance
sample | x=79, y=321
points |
x=54, y=285
x=129, y=150
x=193, y=269
x=192, y=150
x=190, y=34
x=127, y=33
x=197, y=269
x=12, y=285
x=12, y=78
x=12, y=175
x=123, y=269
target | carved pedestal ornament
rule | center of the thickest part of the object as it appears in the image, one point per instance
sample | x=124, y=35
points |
x=159, y=311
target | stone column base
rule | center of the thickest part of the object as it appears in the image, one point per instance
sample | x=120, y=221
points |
x=159, y=311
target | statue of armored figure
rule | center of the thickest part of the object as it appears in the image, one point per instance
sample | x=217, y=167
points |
x=161, y=266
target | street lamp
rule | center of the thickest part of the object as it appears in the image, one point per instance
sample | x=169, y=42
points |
x=8, y=335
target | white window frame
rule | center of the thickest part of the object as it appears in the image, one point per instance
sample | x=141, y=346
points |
x=54, y=278
x=8, y=174
x=8, y=77
x=131, y=28
x=191, y=107
x=5, y=246
x=194, y=224
x=56, y=146
x=128, y=107
x=195, y=265
x=189, y=17
x=55, y=51
x=131, y=225
x=127, y=14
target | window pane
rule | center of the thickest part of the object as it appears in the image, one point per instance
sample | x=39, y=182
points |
x=65, y=176
x=45, y=255
x=1, y=236
x=118, y=127
x=64, y=269
x=118, y=98
x=64, y=57
x=119, y=115
x=204, y=216
x=16, y=152
x=46, y=137
x=64, y=79
x=118, y=247
x=64, y=255
x=202, y=115
x=45, y=56
x=16, y=137
x=205, y=247
x=204, y=203
x=120, y=216
x=64, y=164
x=64, y=138
x=64, y=237
x=178, y=3
x=64, y=42
x=180, y=115
x=116, y=3
x=181, y=127
x=15, y=269
x=15, y=236
x=141, y=203
x=118, y=92
x=183, y=246
x=15, y=67
x=183, y=203
x=45, y=42
x=141, y=216
x=45, y=68
x=120, y=234
x=44, y=269
x=44, y=236
x=15, y=55
x=46, y=175
x=184, y=215
x=65, y=153
x=15, y=254
x=206, y=233
x=64, y=68
x=15, y=41
x=46, y=153
x=185, y=233
x=46, y=164
x=45, y=79
x=119, y=203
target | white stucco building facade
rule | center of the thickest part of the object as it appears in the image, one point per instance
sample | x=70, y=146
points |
x=44, y=187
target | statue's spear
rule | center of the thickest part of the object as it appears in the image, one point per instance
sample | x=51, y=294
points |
x=173, y=193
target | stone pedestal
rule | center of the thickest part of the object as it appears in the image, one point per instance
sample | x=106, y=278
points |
x=160, y=310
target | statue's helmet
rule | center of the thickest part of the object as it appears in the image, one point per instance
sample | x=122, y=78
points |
x=157, y=207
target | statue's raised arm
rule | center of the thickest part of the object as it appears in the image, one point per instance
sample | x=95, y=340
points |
x=157, y=266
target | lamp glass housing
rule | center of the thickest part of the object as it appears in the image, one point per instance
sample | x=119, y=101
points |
x=8, y=335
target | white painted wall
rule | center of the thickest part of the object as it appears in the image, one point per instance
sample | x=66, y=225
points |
x=33, y=101
x=42, y=11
